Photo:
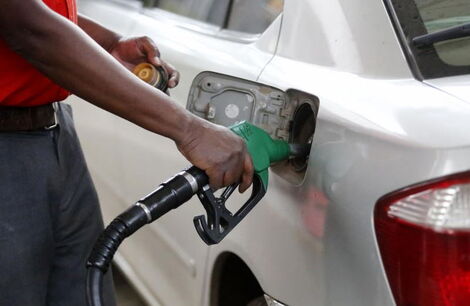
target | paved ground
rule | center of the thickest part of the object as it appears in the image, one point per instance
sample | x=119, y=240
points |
x=126, y=295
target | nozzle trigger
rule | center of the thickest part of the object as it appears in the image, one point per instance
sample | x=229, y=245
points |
x=220, y=221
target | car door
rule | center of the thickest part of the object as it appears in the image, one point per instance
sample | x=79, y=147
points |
x=166, y=260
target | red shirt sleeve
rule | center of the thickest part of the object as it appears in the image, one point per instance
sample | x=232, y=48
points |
x=23, y=85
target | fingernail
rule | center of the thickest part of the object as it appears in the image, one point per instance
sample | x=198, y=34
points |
x=157, y=61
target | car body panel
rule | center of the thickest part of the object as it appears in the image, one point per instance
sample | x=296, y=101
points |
x=377, y=130
x=363, y=148
x=346, y=35
x=456, y=86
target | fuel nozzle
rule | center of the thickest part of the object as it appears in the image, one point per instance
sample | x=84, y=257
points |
x=265, y=150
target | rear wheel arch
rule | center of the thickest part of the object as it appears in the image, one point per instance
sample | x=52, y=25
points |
x=232, y=282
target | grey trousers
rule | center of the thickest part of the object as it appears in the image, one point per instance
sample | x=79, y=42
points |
x=49, y=218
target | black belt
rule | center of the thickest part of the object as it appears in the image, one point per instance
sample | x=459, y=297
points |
x=28, y=118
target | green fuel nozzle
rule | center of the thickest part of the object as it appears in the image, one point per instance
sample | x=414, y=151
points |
x=264, y=150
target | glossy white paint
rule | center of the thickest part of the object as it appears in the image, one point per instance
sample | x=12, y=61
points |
x=379, y=138
x=456, y=86
x=347, y=35
x=378, y=130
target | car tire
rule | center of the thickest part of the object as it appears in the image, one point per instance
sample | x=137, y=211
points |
x=259, y=301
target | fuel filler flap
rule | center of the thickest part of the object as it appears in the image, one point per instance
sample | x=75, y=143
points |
x=226, y=100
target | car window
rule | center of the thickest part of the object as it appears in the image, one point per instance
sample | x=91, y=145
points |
x=418, y=18
x=253, y=16
x=196, y=9
x=442, y=14
x=248, y=16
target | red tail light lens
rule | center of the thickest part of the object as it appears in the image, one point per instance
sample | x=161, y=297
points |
x=423, y=232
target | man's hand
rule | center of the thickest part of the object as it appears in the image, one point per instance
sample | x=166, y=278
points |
x=135, y=50
x=128, y=51
x=220, y=153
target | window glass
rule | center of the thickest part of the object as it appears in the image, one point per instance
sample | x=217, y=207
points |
x=218, y=12
x=253, y=16
x=442, y=14
x=421, y=17
x=196, y=9
x=249, y=16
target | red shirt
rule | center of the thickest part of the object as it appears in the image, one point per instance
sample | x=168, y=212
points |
x=23, y=85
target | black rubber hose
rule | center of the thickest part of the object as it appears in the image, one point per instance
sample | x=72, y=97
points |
x=94, y=285
x=169, y=195
x=118, y=230
x=105, y=248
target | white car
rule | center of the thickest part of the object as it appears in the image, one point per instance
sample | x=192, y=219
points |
x=383, y=110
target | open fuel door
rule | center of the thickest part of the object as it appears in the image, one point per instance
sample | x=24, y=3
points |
x=288, y=115
x=226, y=100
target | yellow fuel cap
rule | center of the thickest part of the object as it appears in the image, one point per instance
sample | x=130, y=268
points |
x=155, y=76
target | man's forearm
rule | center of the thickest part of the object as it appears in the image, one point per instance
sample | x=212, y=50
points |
x=72, y=59
x=103, y=36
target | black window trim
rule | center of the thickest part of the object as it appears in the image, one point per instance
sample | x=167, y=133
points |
x=403, y=42
x=228, y=13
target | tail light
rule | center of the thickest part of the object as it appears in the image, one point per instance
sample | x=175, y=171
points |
x=423, y=232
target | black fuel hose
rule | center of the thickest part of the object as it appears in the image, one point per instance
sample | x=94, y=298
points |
x=169, y=195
